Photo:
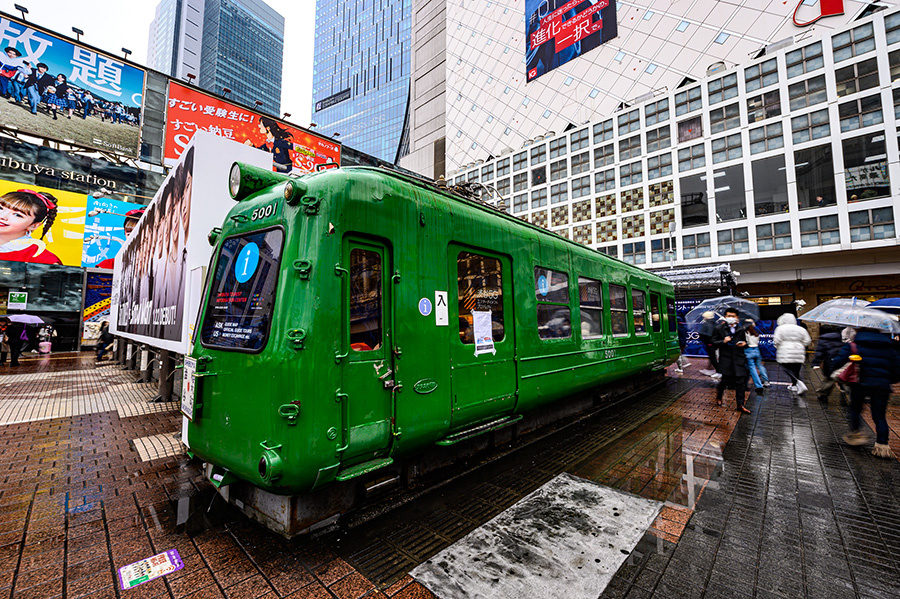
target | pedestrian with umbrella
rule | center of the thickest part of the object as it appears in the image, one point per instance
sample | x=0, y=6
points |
x=791, y=341
x=17, y=335
x=878, y=361
x=730, y=339
x=827, y=348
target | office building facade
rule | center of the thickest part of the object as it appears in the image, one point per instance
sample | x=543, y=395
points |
x=223, y=44
x=786, y=166
x=361, y=74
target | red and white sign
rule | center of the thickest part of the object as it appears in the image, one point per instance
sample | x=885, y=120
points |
x=293, y=149
x=827, y=8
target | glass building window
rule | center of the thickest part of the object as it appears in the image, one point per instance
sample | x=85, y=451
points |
x=502, y=187
x=659, y=139
x=520, y=203
x=814, y=169
x=725, y=118
x=761, y=75
x=590, y=294
x=819, y=231
x=866, y=167
x=581, y=163
x=856, y=77
x=604, y=180
x=520, y=161
x=538, y=154
x=656, y=112
x=630, y=174
x=696, y=246
x=503, y=167
x=559, y=170
x=733, y=241
x=662, y=250
x=688, y=101
x=609, y=250
x=603, y=131
x=768, y=137
x=579, y=140
x=729, y=194
x=635, y=253
x=630, y=121
x=559, y=193
x=487, y=172
x=581, y=187
x=558, y=148
x=896, y=93
x=892, y=28
x=858, y=40
x=877, y=223
x=723, y=88
x=690, y=129
x=604, y=155
x=773, y=237
x=520, y=182
x=538, y=175
x=764, y=106
x=894, y=62
x=691, y=158
x=862, y=112
x=804, y=60
x=618, y=310
x=472, y=176
x=807, y=92
x=539, y=198
x=770, y=192
x=810, y=126
x=630, y=148
x=694, y=201
x=726, y=148
x=659, y=166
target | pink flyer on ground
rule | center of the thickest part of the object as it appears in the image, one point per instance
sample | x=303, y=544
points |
x=150, y=568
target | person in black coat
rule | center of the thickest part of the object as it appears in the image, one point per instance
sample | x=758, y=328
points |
x=36, y=85
x=731, y=339
x=879, y=368
x=827, y=349
x=105, y=341
x=14, y=332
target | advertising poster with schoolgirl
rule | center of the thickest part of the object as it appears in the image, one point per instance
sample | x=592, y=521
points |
x=104, y=230
x=66, y=91
x=41, y=225
x=155, y=294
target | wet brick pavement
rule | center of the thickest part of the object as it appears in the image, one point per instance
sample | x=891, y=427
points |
x=769, y=505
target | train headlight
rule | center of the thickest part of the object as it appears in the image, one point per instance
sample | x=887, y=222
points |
x=234, y=180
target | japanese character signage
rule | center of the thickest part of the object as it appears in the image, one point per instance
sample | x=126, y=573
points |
x=64, y=91
x=559, y=30
x=293, y=150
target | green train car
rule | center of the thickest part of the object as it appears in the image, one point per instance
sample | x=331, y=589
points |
x=355, y=318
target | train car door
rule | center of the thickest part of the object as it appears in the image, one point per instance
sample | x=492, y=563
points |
x=367, y=371
x=483, y=348
x=656, y=327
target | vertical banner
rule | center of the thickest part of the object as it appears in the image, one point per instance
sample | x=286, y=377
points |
x=63, y=90
x=292, y=149
x=41, y=225
x=97, y=292
x=106, y=227
x=151, y=299
x=557, y=31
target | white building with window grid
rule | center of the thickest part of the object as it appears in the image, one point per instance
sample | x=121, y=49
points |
x=786, y=166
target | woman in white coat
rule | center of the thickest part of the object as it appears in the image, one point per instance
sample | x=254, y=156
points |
x=791, y=341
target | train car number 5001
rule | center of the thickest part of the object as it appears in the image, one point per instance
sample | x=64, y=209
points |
x=610, y=354
x=264, y=212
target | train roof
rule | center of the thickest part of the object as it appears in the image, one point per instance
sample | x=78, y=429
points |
x=432, y=187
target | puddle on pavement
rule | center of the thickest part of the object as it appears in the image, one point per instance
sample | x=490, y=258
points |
x=198, y=511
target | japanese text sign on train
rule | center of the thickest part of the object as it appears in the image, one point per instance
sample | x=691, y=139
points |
x=66, y=91
x=292, y=149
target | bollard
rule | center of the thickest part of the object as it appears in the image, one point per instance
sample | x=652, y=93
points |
x=129, y=356
x=166, y=374
x=145, y=365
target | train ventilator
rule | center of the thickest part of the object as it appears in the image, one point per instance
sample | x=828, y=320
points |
x=360, y=326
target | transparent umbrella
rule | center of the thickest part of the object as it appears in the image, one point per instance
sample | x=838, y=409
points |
x=853, y=313
x=26, y=318
x=746, y=309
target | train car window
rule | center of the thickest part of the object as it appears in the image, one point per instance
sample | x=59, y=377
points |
x=654, y=313
x=553, y=313
x=365, y=300
x=639, y=311
x=670, y=315
x=480, y=283
x=591, y=301
x=618, y=310
x=242, y=292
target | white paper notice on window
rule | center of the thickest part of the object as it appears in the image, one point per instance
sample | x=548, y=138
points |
x=484, y=333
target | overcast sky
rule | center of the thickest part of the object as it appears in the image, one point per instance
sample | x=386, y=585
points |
x=114, y=24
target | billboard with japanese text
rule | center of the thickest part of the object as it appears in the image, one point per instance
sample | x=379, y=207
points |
x=557, y=31
x=65, y=91
x=292, y=149
x=106, y=227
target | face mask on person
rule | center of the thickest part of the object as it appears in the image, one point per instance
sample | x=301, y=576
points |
x=731, y=320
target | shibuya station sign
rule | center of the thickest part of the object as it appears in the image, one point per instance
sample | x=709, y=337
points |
x=557, y=31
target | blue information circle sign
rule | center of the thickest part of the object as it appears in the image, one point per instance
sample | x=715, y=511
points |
x=543, y=287
x=246, y=262
x=424, y=306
